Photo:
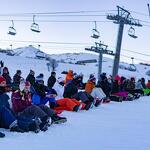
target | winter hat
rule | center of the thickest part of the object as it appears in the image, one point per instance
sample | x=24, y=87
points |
x=18, y=71
x=39, y=77
x=92, y=78
x=76, y=77
x=53, y=73
x=32, y=72
x=117, y=78
x=2, y=80
x=103, y=76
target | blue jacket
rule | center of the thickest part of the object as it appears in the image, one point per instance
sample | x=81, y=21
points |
x=4, y=99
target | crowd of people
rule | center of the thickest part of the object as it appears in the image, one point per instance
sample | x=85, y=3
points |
x=35, y=105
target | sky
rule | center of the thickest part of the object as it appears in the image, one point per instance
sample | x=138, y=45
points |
x=61, y=34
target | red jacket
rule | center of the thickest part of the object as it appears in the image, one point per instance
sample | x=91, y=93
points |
x=20, y=100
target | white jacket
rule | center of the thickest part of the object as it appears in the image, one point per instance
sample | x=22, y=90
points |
x=59, y=89
x=98, y=93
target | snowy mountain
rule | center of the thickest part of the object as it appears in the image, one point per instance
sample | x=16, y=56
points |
x=26, y=57
x=29, y=51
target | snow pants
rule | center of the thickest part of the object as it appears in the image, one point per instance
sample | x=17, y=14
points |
x=34, y=111
x=7, y=119
x=67, y=104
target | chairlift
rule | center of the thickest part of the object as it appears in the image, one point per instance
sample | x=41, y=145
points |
x=132, y=67
x=131, y=32
x=35, y=26
x=95, y=32
x=12, y=30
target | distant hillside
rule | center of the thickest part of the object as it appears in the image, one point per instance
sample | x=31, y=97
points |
x=29, y=51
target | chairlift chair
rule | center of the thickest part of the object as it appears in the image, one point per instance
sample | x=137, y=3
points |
x=12, y=30
x=131, y=32
x=35, y=26
x=132, y=67
x=95, y=32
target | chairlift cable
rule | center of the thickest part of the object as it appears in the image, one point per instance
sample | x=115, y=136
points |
x=47, y=13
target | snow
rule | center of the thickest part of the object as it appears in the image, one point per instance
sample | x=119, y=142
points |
x=113, y=126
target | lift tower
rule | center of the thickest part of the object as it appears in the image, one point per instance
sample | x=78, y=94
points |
x=122, y=18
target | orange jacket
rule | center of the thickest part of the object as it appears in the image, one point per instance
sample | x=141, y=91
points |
x=89, y=87
x=69, y=76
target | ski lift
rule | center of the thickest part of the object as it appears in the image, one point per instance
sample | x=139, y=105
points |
x=95, y=32
x=132, y=67
x=131, y=32
x=35, y=26
x=12, y=30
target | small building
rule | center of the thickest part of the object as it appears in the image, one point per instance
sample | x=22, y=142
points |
x=40, y=55
x=82, y=62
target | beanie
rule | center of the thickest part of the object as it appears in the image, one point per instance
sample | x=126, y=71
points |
x=39, y=78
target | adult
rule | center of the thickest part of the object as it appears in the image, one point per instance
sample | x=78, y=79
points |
x=31, y=77
x=51, y=80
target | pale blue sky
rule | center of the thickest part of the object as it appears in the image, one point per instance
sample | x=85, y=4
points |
x=73, y=32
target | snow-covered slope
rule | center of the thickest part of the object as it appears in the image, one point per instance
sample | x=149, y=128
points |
x=114, y=126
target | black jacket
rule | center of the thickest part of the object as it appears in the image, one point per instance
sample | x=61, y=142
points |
x=40, y=89
x=31, y=79
x=51, y=81
x=70, y=89
x=8, y=78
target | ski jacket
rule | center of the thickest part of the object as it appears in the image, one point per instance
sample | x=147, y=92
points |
x=138, y=85
x=31, y=79
x=4, y=98
x=60, y=90
x=70, y=89
x=89, y=87
x=51, y=81
x=40, y=89
x=69, y=76
x=16, y=79
x=20, y=100
x=98, y=93
x=115, y=87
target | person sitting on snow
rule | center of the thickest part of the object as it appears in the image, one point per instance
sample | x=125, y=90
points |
x=42, y=97
x=71, y=91
x=51, y=80
x=98, y=95
x=90, y=84
x=7, y=118
x=31, y=77
x=6, y=75
x=60, y=103
x=69, y=76
x=16, y=78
